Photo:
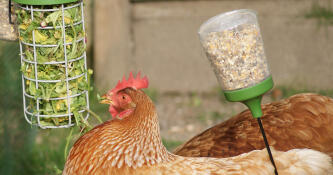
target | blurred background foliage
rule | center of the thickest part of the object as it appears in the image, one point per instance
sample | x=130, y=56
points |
x=24, y=149
x=27, y=150
x=21, y=147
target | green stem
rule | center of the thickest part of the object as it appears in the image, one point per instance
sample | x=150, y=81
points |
x=85, y=122
x=68, y=139
x=95, y=115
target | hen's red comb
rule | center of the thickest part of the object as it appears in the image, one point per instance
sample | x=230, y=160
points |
x=136, y=83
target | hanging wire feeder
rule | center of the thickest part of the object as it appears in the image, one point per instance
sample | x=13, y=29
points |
x=53, y=62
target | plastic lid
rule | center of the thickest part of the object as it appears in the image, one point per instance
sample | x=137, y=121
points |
x=227, y=20
x=43, y=2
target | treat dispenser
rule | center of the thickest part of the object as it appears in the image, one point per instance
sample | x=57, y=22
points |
x=234, y=47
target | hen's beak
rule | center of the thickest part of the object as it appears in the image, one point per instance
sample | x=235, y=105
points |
x=106, y=100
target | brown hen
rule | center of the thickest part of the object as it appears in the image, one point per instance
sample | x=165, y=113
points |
x=300, y=121
x=131, y=144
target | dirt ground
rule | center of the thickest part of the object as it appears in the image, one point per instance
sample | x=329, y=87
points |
x=184, y=116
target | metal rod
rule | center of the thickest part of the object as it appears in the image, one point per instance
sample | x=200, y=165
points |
x=66, y=63
x=48, y=10
x=267, y=145
x=36, y=70
x=55, y=116
x=54, y=81
x=23, y=84
x=51, y=45
x=54, y=62
x=85, y=58
x=56, y=98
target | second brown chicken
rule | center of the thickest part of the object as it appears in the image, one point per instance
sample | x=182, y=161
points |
x=300, y=121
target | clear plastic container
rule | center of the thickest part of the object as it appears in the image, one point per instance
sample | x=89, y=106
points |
x=234, y=46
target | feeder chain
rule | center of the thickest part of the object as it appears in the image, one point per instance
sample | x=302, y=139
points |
x=10, y=12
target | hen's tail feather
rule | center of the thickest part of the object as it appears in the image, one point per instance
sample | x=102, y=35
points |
x=304, y=161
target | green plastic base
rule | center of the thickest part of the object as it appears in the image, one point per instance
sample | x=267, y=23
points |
x=43, y=2
x=250, y=92
x=251, y=96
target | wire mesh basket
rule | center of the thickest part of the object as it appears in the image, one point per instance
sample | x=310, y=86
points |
x=53, y=62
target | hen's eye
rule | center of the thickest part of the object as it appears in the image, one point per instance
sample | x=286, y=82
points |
x=124, y=97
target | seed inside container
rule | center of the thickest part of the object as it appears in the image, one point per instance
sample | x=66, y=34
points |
x=237, y=56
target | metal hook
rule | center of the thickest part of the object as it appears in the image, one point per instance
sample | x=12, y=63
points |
x=10, y=11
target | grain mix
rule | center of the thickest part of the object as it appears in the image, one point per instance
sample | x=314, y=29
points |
x=237, y=56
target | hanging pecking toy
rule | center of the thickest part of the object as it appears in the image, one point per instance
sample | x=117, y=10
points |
x=53, y=62
x=234, y=46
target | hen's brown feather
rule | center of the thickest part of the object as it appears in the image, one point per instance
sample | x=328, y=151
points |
x=301, y=121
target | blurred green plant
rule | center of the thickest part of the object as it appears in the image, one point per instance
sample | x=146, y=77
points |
x=201, y=116
x=217, y=116
x=17, y=136
x=152, y=93
x=324, y=14
x=171, y=144
x=218, y=91
x=19, y=151
x=289, y=91
x=214, y=116
x=195, y=99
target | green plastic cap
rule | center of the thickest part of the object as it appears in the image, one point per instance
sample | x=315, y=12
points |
x=43, y=2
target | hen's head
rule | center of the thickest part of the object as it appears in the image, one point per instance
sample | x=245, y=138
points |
x=122, y=97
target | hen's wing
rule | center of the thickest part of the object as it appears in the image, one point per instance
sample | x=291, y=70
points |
x=301, y=121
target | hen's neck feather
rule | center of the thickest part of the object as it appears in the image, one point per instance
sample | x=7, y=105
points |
x=135, y=140
x=142, y=136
